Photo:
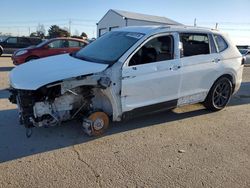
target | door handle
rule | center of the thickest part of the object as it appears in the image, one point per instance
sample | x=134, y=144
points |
x=175, y=67
x=216, y=60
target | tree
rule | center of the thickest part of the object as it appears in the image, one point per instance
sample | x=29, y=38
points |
x=84, y=35
x=40, y=30
x=33, y=34
x=55, y=31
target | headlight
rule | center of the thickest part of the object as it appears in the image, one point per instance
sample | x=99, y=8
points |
x=21, y=52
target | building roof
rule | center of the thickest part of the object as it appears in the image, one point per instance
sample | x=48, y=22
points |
x=145, y=17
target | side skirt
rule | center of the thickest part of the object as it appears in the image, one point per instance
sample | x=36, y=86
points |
x=155, y=108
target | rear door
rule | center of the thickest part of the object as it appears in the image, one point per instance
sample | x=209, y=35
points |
x=200, y=66
x=151, y=75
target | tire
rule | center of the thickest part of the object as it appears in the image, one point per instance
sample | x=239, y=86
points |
x=1, y=52
x=31, y=58
x=219, y=95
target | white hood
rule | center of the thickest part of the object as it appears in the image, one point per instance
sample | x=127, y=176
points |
x=35, y=74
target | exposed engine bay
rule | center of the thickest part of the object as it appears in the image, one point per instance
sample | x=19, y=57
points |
x=55, y=103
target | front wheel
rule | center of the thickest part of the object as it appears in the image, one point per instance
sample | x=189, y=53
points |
x=1, y=52
x=219, y=95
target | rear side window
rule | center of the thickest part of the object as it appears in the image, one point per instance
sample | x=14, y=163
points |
x=194, y=44
x=73, y=43
x=220, y=43
x=56, y=44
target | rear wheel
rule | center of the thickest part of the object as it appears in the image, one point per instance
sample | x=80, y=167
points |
x=219, y=95
x=31, y=58
x=1, y=52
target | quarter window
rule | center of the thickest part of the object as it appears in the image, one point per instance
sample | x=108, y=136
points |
x=194, y=44
x=155, y=50
x=220, y=43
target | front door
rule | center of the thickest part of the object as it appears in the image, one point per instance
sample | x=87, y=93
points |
x=151, y=76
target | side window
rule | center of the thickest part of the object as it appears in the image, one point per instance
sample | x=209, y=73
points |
x=56, y=44
x=220, y=43
x=155, y=50
x=74, y=44
x=23, y=40
x=194, y=44
x=12, y=40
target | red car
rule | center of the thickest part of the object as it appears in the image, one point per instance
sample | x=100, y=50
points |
x=50, y=47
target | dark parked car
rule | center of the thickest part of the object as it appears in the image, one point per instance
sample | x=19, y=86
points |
x=246, y=53
x=47, y=48
x=11, y=44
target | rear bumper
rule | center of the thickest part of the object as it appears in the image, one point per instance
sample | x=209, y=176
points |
x=238, y=79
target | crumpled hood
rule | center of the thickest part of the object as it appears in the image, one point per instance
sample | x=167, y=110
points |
x=35, y=74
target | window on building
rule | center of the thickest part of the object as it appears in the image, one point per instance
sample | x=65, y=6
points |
x=102, y=31
x=112, y=28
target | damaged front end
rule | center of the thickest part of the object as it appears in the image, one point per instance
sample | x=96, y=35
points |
x=47, y=107
x=50, y=105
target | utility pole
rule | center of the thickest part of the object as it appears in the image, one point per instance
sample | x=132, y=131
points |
x=70, y=22
x=29, y=31
x=216, y=25
x=195, y=24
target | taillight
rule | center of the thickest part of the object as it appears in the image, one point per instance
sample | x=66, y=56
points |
x=243, y=61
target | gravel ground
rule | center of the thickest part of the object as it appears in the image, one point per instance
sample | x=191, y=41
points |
x=185, y=147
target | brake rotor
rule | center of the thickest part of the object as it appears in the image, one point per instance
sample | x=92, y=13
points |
x=100, y=122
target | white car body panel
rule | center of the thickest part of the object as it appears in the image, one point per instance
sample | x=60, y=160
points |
x=35, y=74
x=149, y=84
x=198, y=74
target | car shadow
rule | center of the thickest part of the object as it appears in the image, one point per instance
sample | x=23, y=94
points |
x=5, y=69
x=15, y=145
x=242, y=96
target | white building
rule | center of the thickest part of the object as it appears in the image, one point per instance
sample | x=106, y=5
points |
x=118, y=18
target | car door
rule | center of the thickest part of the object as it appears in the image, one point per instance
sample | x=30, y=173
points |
x=151, y=75
x=200, y=66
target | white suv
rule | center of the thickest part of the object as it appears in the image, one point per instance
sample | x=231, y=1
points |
x=128, y=72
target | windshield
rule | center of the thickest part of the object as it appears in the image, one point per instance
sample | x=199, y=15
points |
x=3, y=38
x=110, y=47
